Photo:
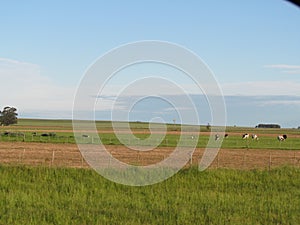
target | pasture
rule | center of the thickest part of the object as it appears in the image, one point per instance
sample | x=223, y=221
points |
x=63, y=133
x=45, y=180
x=39, y=195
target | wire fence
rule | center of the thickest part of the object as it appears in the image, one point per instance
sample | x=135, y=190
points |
x=55, y=155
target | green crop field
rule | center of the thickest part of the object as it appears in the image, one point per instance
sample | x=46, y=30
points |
x=77, y=196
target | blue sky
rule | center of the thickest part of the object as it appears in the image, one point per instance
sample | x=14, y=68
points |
x=251, y=46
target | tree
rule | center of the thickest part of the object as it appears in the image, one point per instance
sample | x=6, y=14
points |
x=208, y=126
x=8, y=116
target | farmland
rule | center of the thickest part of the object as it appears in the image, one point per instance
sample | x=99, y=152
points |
x=64, y=134
x=45, y=180
x=35, y=195
x=24, y=144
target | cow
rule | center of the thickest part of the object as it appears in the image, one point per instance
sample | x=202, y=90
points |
x=254, y=137
x=217, y=137
x=282, y=137
x=245, y=136
x=226, y=136
x=85, y=135
x=52, y=134
x=6, y=133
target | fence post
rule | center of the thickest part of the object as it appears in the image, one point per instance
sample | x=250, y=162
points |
x=21, y=156
x=110, y=160
x=244, y=160
x=53, y=155
x=270, y=160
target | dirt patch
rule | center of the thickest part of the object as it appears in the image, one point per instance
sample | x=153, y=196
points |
x=68, y=155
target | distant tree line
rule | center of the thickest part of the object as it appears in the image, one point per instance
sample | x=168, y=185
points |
x=267, y=126
x=8, y=116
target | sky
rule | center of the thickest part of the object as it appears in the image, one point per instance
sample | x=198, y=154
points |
x=251, y=47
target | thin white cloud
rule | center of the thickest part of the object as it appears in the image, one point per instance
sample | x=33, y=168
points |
x=294, y=71
x=12, y=62
x=285, y=68
x=23, y=86
x=176, y=109
x=262, y=88
x=281, y=102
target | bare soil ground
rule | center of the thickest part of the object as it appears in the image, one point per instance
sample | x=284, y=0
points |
x=68, y=155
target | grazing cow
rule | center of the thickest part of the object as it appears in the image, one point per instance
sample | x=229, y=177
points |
x=85, y=135
x=6, y=133
x=254, y=137
x=282, y=137
x=217, y=137
x=226, y=136
x=245, y=136
x=45, y=135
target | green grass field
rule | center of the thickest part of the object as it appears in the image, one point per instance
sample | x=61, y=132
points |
x=77, y=196
x=36, y=124
x=41, y=195
x=170, y=140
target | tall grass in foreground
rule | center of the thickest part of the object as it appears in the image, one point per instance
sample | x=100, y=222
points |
x=77, y=196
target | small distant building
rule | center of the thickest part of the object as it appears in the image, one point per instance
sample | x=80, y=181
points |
x=268, y=126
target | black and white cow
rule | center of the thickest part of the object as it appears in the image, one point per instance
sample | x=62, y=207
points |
x=217, y=137
x=245, y=136
x=282, y=137
x=254, y=137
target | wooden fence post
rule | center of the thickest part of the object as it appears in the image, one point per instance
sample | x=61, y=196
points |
x=53, y=155
x=270, y=160
x=110, y=160
x=23, y=154
x=244, y=160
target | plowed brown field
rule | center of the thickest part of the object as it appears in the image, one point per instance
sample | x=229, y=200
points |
x=68, y=155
